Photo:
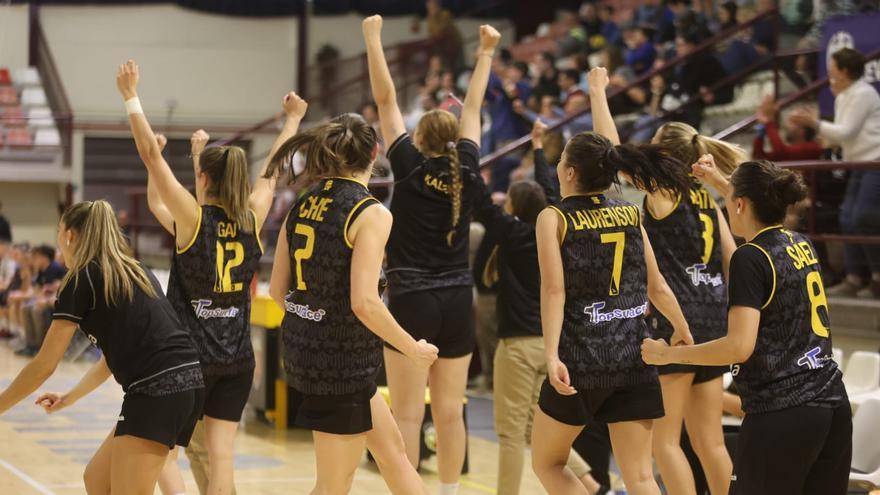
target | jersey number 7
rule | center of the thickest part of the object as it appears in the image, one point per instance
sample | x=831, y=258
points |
x=619, y=241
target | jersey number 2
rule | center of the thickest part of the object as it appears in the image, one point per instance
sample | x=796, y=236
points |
x=224, y=282
x=619, y=241
x=303, y=253
x=816, y=291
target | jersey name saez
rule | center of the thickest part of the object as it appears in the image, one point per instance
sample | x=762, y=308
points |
x=606, y=292
x=791, y=364
x=328, y=351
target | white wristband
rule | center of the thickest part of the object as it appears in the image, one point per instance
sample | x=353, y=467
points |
x=133, y=105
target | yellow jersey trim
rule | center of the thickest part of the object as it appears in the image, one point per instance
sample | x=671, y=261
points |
x=564, y=223
x=195, y=234
x=772, y=269
x=348, y=219
x=257, y=231
x=671, y=211
x=765, y=229
x=351, y=179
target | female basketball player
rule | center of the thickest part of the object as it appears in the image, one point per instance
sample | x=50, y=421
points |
x=430, y=285
x=797, y=434
x=326, y=273
x=693, y=245
x=218, y=251
x=597, y=273
x=520, y=367
x=119, y=304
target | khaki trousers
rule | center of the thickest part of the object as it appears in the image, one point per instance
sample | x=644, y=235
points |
x=520, y=369
x=197, y=453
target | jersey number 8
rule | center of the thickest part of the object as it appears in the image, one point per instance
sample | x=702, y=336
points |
x=818, y=302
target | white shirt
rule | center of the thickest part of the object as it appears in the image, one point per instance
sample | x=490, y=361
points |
x=7, y=271
x=856, y=126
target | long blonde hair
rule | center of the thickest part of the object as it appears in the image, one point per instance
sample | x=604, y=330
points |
x=438, y=133
x=100, y=240
x=687, y=145
x=227, y=168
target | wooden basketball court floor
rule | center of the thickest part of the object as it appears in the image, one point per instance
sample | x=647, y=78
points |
x=45, y=455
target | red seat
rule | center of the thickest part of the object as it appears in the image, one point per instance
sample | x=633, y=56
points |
x=5, y=79
x=8, y=95
x=19, y=137
x=12, y=116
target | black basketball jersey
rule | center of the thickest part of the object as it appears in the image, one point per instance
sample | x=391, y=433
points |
x=327, y=350
x=687, y=245
x=209, y=288
x=792, y=363
x=606, y=293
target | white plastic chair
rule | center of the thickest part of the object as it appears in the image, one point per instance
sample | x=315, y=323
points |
x=47, y=136
x=26, y=76
x=34, y=97
x=40, y=117
x=857, y=401
x=865, y=467
x=837, y=354
x=862, y=373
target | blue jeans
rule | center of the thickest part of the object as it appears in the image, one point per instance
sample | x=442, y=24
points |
x=860, y=214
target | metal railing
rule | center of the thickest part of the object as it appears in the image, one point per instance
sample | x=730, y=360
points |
x=784, y=102
x=809, y=168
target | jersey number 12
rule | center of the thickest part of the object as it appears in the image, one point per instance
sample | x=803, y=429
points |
x=223, y=282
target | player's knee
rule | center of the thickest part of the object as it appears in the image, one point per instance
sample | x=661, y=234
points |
x=447, y=413
x=95, y=482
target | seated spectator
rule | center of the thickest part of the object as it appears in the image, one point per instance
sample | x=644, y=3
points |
x=654, y=13
x=545, y=79
x=35, y=310
x=8, y=272
x=574, y=36
x=620, y=76
x=727, y=15
x=570, y=91
x=800, y=140
x=692, y=80
x=551, y=114
x=610, y=31
x=687, y=20
x=640, y=52
x=764, y=31
x=448, y=86
x=427, y=101
x=442, y=29
x=592, y=24
x=5, y=230
x=507, y=83
x=856, y=128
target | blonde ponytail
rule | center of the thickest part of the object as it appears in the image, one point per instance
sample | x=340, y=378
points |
x=100, y=240
x=235, y=189
x=687, y=145
x=455, y=189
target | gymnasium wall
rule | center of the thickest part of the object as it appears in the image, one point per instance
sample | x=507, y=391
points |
x=32, y=210
x=13, y=35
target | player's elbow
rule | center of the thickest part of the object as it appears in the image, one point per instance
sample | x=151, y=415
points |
x=741, y=351
x=363, y=305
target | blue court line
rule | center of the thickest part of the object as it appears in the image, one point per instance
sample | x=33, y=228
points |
x=64, y=428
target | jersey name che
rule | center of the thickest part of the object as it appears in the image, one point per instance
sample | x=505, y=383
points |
x=606, y=293
x=328, y=351
x=209, y=288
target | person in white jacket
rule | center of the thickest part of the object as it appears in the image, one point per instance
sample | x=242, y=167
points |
x=856, y=129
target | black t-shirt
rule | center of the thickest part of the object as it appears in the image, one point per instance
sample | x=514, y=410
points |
x=519, y=279
x=778, y=274
x=142, y=340
x=53, y=273
x=5, y=231
x=419, y=254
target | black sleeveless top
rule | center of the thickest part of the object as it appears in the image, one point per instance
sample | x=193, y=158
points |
x=327, y=350
x=209, y=288
x=687, y=245
x=792, y=365
x=606, y=293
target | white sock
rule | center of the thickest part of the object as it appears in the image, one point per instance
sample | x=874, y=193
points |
x=448, y=488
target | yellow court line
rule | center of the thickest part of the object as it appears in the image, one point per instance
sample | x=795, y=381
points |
x=476, y=486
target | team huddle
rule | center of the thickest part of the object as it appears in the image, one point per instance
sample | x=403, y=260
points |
x=633, y=314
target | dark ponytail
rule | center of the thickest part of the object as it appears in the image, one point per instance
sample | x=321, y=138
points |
x=770, y=189
x=227, y=168
x=598, y=162
x=342, y=145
